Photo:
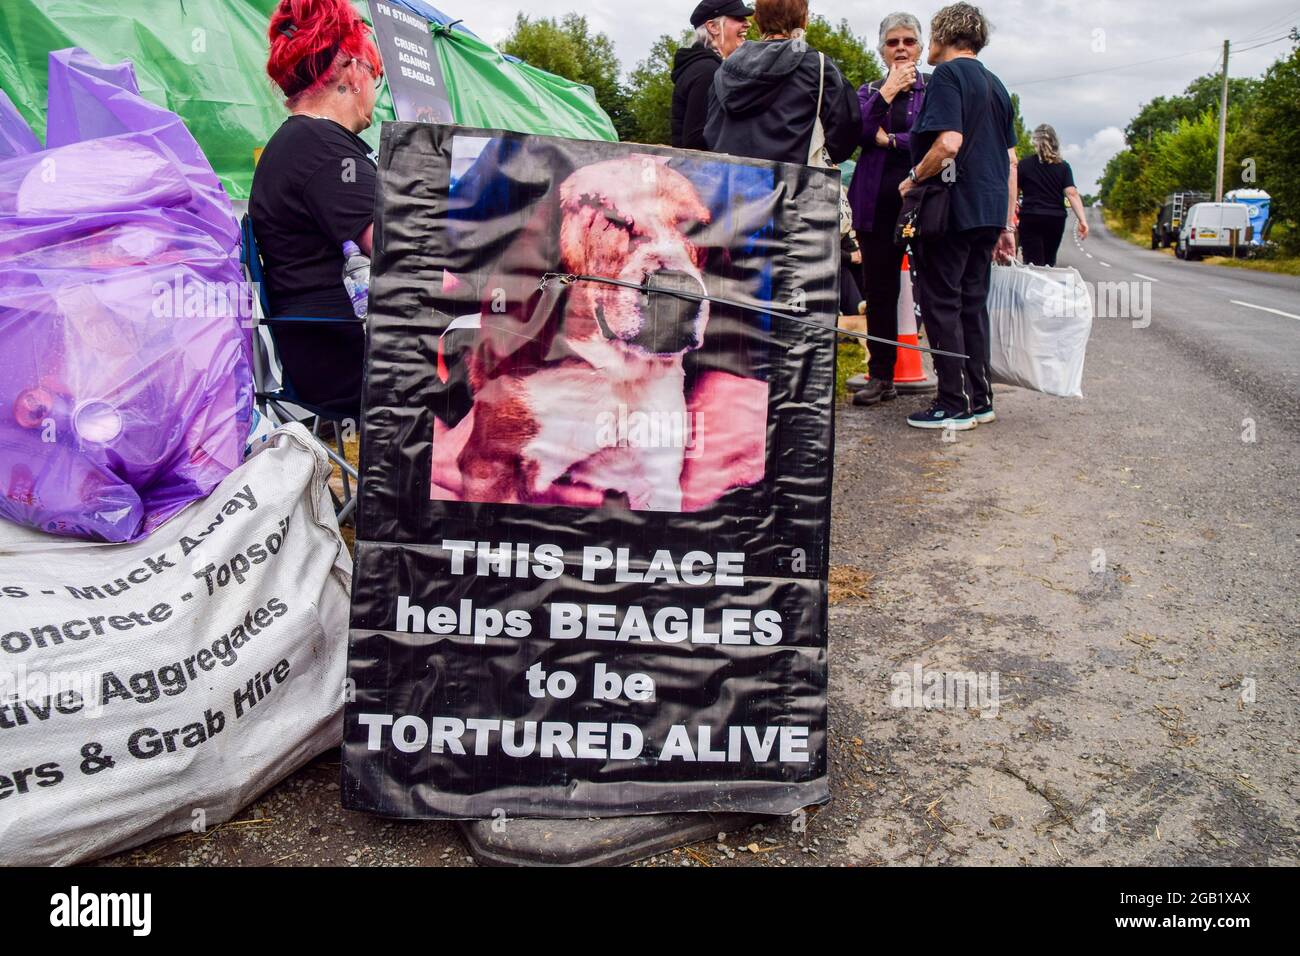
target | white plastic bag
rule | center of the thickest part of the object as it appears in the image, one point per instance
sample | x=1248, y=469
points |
x=153, y=688
x=1039, y=323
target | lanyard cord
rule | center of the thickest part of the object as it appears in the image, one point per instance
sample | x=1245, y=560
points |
x=569, y=278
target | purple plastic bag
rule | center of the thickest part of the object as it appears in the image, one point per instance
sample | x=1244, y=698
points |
x=125, y=365
x=16, y=137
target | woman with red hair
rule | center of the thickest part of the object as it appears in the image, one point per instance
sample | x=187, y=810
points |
x=314, y=189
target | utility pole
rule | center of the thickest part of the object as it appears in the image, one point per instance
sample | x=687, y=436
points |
x=1223, y=128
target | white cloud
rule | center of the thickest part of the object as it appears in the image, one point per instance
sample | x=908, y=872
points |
x=1089, y=159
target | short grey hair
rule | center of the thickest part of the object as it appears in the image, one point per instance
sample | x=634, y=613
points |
x=961, y=25
x=895, y=21
x=703, y=37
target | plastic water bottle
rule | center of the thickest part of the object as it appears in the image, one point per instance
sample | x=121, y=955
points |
x=356, y=278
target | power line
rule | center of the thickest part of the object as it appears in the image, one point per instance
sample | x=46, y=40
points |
x=1127, y=66
x=1247, y=49
x=1270, y=26
x=1111, y=69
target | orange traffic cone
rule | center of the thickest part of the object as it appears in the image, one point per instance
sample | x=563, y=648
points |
x=909, y=372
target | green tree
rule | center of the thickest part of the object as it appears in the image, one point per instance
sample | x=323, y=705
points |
x=1173, y=142
x=650, y=91
x=568, y=48
x=1275, y=122
x=1024, y=144
x=1181, y=159
x=1122, y=183
x=1163, y=114
x=850, y=52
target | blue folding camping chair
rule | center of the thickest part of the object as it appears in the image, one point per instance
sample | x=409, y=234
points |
x=279, y=404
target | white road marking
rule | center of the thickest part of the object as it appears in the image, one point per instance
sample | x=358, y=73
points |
x=1148, y=278
x=1106, y=264
x=1088, y=254
x=1264, y=308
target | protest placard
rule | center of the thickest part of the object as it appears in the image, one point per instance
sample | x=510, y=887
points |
x=593, y=532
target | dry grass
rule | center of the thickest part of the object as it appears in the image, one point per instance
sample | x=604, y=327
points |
x=850, y=585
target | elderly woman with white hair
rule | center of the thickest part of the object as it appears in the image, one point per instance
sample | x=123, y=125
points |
x=1046, y=183
x=889, y=108
x=720, y=28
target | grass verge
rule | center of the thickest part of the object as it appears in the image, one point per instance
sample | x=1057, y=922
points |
x=1290, y=266
x=1140, y=237
x=852, y=360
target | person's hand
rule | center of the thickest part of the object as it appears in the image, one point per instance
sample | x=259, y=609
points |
x=905, y=186
x=1005, y=251
x=1083, y=230
x=855, y=257
x=901, y=77
x=882, y=138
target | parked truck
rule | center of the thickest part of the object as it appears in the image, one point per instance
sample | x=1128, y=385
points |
x=1169, y=221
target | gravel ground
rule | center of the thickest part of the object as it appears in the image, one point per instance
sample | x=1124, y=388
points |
x=1124, y=565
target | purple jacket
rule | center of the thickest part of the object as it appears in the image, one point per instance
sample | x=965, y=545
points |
x=876, y=113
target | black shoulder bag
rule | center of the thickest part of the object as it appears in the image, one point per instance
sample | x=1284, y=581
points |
x=924, y=213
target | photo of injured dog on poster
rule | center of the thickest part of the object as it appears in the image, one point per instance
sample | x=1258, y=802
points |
x=585, y=361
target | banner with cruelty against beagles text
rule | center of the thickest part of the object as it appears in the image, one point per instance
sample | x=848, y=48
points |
x=593, y=529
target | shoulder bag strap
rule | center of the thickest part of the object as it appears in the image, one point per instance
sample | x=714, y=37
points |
x=818, y=131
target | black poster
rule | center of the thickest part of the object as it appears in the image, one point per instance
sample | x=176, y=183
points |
x=593, y=529
x=411, y=66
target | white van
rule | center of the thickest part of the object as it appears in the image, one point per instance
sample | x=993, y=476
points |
x=1207, y=230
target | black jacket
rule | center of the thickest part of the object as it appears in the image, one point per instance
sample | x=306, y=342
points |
x=763, y=99
x=693, y=69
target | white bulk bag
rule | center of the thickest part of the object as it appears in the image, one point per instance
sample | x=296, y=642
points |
x=158, y=687
x=1039, y=323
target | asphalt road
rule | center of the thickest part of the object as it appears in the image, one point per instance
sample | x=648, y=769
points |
x=1124, y=565
x=1241, y=326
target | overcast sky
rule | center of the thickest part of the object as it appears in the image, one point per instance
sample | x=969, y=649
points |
x=1035, y=43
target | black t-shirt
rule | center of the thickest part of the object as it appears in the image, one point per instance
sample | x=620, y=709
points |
x=964, y=97
x=1043, y=186
x=313, y=190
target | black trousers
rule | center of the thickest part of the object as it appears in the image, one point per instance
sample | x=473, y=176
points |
x=952, y=278
x=1040, y=237
x=881, y=284
x=850, y=294
x=324, y=363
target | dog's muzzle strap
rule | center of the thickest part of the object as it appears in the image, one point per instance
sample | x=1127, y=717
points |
x=568, y=278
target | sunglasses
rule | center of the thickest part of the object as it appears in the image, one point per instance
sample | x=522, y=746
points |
x=900, y=41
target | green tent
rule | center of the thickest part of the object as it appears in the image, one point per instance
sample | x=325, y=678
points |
x=205, y=60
